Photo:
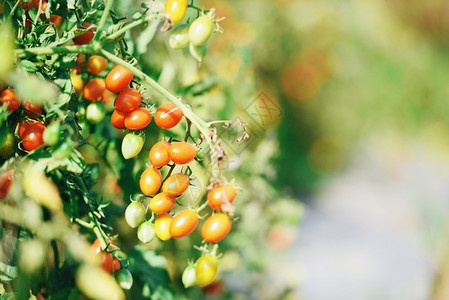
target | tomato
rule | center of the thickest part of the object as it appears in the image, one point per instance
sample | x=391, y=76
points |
x=200, y=30
x=63, y=151
x=33, y=136
x=108, y=95
x=85, y=129
x=183, y=223
x=180, y=37
x=216, y=228
x=124, y=279
x=52, y=134
x=22, y=127
x=168, y=116
x=162, y=203
x=150, y=181
x=118, y=119
x=162, y=226
x=219, y=194
x=56, y=19
x=215, y=289
x=6, y=181
x=138, y=119
x=159, y=154
x=80, y=60
x=85, y=38
x=135, y=214
x=96, y=64
x=189, y=276
x=131, y=145
x=7, y=147
x=206, y=270
x=145, y=232
x=128, y=100
x=77, y=83
x=116, y=265
x=10, y=97
x=181, y=152
x=103, y=258
x=95, y=112
x=32, y=110
x=176, y=184
x=118, y=79
x=94, y=89
x=198, y=52
x=176, y=10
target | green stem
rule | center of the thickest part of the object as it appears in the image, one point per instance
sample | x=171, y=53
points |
x=14, y=9
x=39, y=11
x=104, y=17
x=21, y=53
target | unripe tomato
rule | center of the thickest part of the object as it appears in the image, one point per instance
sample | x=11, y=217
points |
x=159, y=154
x=135, y=214
x=128, y=100
x=206, y=270
x=32, y=110
x=146, y=232
x=150, y=181
x=162, y=226
x=118, y=79
x=52, y=134
x=96, y=284
x=198, y=52
x=131, y=145
x=200, y=30
x=189, y=276
x=181, y=152
x=63, y=151
x=95, y=112
x=33, y=136
x=85, y=129
x=77, y=83
x=176, y=10
x=94, y=90
x=176, y=184
x=6, y=181
x=85, y=38
x=216, y=228
x=124, y=279
x=118, y=119
x=138, y=119
x=40, y=188
x=7, y=148
x=179, y=38
x=96, y=64
x=162, y=203
x=168, y=116
x=10, y=97
x=219, y=194
x=104, y=259
x=183, y=223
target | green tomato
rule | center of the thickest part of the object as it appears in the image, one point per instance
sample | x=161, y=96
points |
x=180, y=37
x=95, y=112
x=52, y=134
x=85, y=129
x=198, y=52
x=145, y=232
x=135, y=214
x=206, y=270
x=7, y=147
x=124, y=279
x=131, y=145
x=63, y=151
x=201, y=30
x=189, y=276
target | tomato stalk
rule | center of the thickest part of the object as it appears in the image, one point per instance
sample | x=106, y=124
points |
x=104, y=17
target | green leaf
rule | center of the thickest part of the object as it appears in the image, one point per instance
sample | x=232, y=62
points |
x=7, y=272
x=28, y=66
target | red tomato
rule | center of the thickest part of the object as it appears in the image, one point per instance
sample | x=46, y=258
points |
x=162, y=203
x=159, y=154
x=33, y=110
x=118, y=119
x=176, y=184
x=9, y=96
x=85, y=38
x=183, y=223
x=219, y=194
x=216, y=228
x=33, y=136
x=181, y=152
x=116, y=265
x=150, y=181
x=94, y=89
x=138, y=119
x=22, y=127
x=96, y=64
x=6, y=181
x=56, y=19
x=103, y=258
x=118, y=79
x=128, y=100
x=168, y=116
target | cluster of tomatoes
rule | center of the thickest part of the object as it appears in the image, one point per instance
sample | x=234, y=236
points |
x=55, y=19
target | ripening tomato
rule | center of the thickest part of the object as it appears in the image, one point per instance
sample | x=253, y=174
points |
x=220, y=194
x=168, y=116
x=216, y=228
x=128, y=100
x=118, y=79
x=159, y=154
x=183, y=223
x=96, y=64
x=200, y=30
x=118, y=119
x=132, y=145
x=162, y=203
x=162, y=226
x=176, y=10
x=206, y=270
x=33, y=136
x=135, y=214
x=150, y=181
x=94, y=89
x=32, y=110
x=138, y=119
x=181, y=153
x=116, y=265
x=85, y=38
x=176, y=184
x=104, y=259
x=10, y=97
x=77, y=83
x=6, y=181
